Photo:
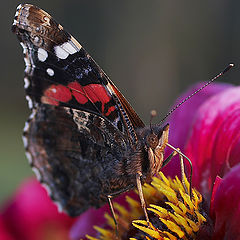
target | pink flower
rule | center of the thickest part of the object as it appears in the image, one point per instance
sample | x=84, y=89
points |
x=31, y=215
x=210, y=137
x=214, y=142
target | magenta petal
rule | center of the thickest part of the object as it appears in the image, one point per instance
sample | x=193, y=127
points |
x=31, y=213
x=95, y=217
x=4, y=233
x=214, y=137
x=226, y=206
x=181, y=121
x=86, y=221
x=227, y=142
x=215, y=187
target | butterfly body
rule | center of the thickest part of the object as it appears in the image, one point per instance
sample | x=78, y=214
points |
x=83, y=139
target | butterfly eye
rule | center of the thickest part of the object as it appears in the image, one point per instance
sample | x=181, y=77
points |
x=152, y=140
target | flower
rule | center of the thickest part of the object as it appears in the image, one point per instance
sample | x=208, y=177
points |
x=214, y=142
x=207, y=130
x=31, y=215
x=210, y=137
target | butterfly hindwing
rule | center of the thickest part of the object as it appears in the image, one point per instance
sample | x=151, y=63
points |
x=75, y=156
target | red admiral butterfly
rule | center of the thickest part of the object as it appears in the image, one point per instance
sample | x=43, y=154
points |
x=83, y=139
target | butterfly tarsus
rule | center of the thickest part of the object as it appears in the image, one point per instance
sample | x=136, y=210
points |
x=109, y=197
x=140, y=192
x=169, y=158
x=182, y=168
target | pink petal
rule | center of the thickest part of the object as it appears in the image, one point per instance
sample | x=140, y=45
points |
x=86, y=221
x=214, y=138
x=226, y=206
x=181, y=121
x=31, y=214
x=215, y=187
x=4, y=233
x=95, y=217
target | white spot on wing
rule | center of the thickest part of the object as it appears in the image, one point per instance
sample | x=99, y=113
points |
x=47, y=188
x=63, y=51
x=37, y=173
x=24, y=47
x=42, y=55
x=32, y=115
x=29, y=157
x=50, y=72
x=59, y=206
x=15, y=22
x=47, y=20
x=27, y=64
x=16, y=14
x=25, y=141
x=26, y=127
x=19, y=6
x=30, y=103
x=36, y=39
x=60, y=53
x=26, y=83
x=69, y=47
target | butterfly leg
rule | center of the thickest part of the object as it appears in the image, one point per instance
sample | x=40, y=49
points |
x=109, y=197
x=142, y=200
x=183, y=172
x=181, y=155
x=169, y=158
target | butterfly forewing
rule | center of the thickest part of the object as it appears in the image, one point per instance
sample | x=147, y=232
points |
x=60, y=72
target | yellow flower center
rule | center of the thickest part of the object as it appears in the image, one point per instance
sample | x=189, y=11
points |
x=173, y=213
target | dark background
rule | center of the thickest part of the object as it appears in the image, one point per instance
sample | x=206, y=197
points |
x=152, y=50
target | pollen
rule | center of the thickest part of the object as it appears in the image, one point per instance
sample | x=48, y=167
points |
x=173, y=213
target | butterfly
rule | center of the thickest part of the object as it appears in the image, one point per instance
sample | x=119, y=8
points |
x=83, y=139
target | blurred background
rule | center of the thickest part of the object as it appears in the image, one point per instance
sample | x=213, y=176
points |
x=152, y=50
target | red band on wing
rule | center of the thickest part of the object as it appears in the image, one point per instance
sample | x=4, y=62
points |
x=97, y=93
x=91, y=92
x=55, y=94
x=110, y=110
x=78, y=92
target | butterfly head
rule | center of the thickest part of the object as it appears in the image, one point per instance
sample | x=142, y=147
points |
x=155, y=143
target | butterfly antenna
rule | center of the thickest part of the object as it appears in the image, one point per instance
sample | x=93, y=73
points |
x=153, y=114
x=201, y=88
